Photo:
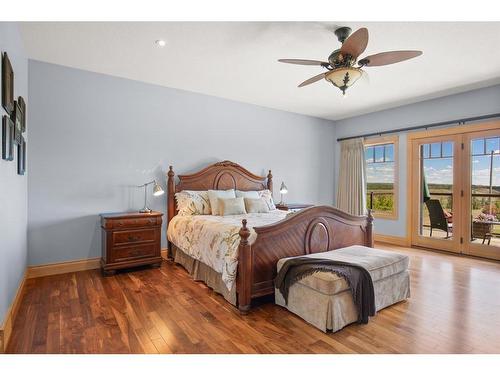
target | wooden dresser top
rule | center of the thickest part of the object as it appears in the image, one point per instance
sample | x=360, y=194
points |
x=129, y=215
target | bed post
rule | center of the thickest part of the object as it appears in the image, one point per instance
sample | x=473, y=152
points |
x=170, y=202
x=244, y=270
x=270, y=182
x=369, y=229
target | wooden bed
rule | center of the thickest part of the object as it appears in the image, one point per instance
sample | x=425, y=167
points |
x=312, y=230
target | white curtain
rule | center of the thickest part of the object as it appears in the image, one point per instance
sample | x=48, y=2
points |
x=351, y=190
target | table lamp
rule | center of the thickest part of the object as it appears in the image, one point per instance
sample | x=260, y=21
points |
x=157, y=191
x=283, y=191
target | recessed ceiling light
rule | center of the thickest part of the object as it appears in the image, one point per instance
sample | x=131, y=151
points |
x=160, y=43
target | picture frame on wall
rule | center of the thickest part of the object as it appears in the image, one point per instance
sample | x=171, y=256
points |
x=7, y=84
x=16, y=118
x=7, y=138
x=22, y=107
x=21, y=157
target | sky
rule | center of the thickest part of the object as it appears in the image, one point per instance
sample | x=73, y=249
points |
x=380, y=172
x=440, y=170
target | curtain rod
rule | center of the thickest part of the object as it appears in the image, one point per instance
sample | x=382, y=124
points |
x=458, y=122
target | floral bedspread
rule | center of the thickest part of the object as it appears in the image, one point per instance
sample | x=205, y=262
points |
x=214, y=240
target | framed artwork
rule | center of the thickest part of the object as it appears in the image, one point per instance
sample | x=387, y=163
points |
x=7, y=84
x=7, y=138
x=16, y=118
x=22, y=107
x=21, y=157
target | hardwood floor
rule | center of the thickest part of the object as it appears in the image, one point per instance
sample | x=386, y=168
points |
x=454, y=308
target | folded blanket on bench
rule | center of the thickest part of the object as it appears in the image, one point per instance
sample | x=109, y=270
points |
x=358, y=278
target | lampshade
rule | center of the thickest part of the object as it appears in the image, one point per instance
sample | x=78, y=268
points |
x=157, y=190
x=283, y=188
x=344, y=77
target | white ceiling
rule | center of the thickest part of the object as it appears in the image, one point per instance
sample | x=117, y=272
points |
x=238, y=60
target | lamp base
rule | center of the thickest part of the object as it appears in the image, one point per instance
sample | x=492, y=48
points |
x=146, y=210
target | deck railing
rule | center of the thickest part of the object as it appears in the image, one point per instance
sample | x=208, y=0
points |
x=372, y=194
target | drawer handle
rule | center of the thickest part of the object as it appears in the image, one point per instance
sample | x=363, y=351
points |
x=134, y=238
x=135, y=253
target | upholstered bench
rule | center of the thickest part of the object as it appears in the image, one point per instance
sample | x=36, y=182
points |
x=324, y=300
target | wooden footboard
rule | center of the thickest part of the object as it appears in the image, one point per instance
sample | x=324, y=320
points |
x=312, y=230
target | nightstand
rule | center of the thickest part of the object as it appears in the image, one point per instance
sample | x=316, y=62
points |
x=292, y=206
x=130, y=239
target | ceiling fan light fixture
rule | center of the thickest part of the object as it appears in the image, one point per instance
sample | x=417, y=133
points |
x=340, y=66
x=343, y=78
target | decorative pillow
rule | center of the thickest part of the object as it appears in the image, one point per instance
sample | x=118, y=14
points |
x=268, y=197
x=191, y=202
x=256, y=206
x=248, y=194
x=232, y=206
x=214, y=195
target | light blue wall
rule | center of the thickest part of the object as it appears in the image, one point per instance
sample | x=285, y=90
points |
x=94, y=137
x=469, y=104
x=13, y=188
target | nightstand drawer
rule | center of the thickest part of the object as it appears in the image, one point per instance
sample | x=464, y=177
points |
x=133, y=236
x=136, y=252
x=130, y=239
x=132, y=223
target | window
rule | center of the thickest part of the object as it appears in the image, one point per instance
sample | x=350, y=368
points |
x=381, y=176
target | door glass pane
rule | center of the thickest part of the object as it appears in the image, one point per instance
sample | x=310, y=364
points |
x=477, y=146
x=492, y=145
x=426, y=150
x=485, y=190
x=447, y=149
x=436, y=201
x=436, y=150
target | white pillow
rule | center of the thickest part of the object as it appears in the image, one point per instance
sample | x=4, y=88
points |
x=232, y=206
x=214, y=195
x=268, y=197
x=252, y=194
x=190, y=202
x=256, y=206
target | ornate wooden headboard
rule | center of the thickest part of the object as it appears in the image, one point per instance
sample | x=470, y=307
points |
x=223, y=175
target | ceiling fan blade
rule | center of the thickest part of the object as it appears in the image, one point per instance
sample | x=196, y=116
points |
x=356, y=44
x=303, y=62
x=386, y=58
x=313, y=79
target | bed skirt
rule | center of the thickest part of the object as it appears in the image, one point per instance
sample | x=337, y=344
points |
x=333, y=312
x=201, y=272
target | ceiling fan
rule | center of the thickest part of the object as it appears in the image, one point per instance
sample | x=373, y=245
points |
x=341, y=70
